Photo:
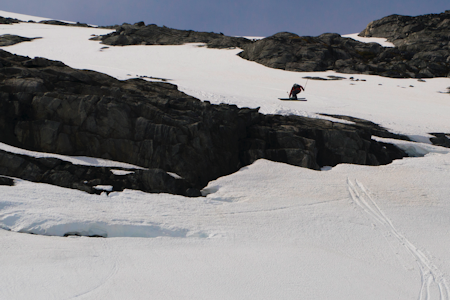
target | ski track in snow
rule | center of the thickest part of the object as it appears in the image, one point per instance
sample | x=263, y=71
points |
x=112, y=273
x=431, y=276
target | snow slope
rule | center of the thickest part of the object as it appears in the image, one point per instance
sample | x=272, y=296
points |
x=269, y=231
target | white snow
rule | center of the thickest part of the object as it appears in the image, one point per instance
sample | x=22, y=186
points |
x=76, y=160
x=382, y=41
x=414, y=149
x=121, y=172
x=107, y=188
x=269, y=231
x=174, y=175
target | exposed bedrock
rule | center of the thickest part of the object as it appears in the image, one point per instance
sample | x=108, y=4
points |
x=441, y=139
x=425, y=37
x=422, y=49
x=93, y=180
x=4, y=20
x=330, y=51
x=47, y=106
x=8, y=40
x=140, y=34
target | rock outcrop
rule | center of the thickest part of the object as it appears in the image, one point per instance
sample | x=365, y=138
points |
x=61, y=23
x=328, y=51
x=6, y=181
x=426, y=38
x=140, y=34
x=92, y=180
x=8, y=40
x=8, y=20
x=49, y=107
x=422, y=31
x=441, y=139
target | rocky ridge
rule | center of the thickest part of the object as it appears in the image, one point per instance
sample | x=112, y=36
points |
x=422, y=47
x=141, y=34
x=61, y=23
x=8, y=20
x=330, y=51
x=408, y=31
x=426, y=38
x=46, y=106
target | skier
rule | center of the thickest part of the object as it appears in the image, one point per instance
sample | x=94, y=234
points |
x=296, y=88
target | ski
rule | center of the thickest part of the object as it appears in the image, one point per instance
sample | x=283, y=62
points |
x=289, y=99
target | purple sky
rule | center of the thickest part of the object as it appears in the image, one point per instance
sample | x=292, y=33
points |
x=232, y=17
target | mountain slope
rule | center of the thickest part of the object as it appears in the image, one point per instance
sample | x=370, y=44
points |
x=268, y=231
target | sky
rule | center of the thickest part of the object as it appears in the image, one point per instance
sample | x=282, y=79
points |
x=231, y=17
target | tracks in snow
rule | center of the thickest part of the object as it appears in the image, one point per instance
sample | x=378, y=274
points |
x=431, y=276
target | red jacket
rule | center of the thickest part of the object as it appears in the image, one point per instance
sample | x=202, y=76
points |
x=296, y=89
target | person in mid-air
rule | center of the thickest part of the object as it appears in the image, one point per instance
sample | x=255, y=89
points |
x=296, y=88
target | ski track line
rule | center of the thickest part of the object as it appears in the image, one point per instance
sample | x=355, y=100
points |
x=114, y=271
x=430, y=274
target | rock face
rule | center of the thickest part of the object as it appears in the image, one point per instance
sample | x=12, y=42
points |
x=291, y=52
x=8, y=40
x=84, y=178
x=139, y=34
x=49, y=107
x=426, y=38
x=405, y=30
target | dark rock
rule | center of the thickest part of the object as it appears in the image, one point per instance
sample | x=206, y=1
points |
x=404, y=30
x=422, y=49
x=8, y=20
x=441, y=139
x=8, y=40
x=139, y=34
x=6, y=181
x=61, y=23
x=329, y=51
x=84, y=178
x=425, y=37
x=47, y=106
